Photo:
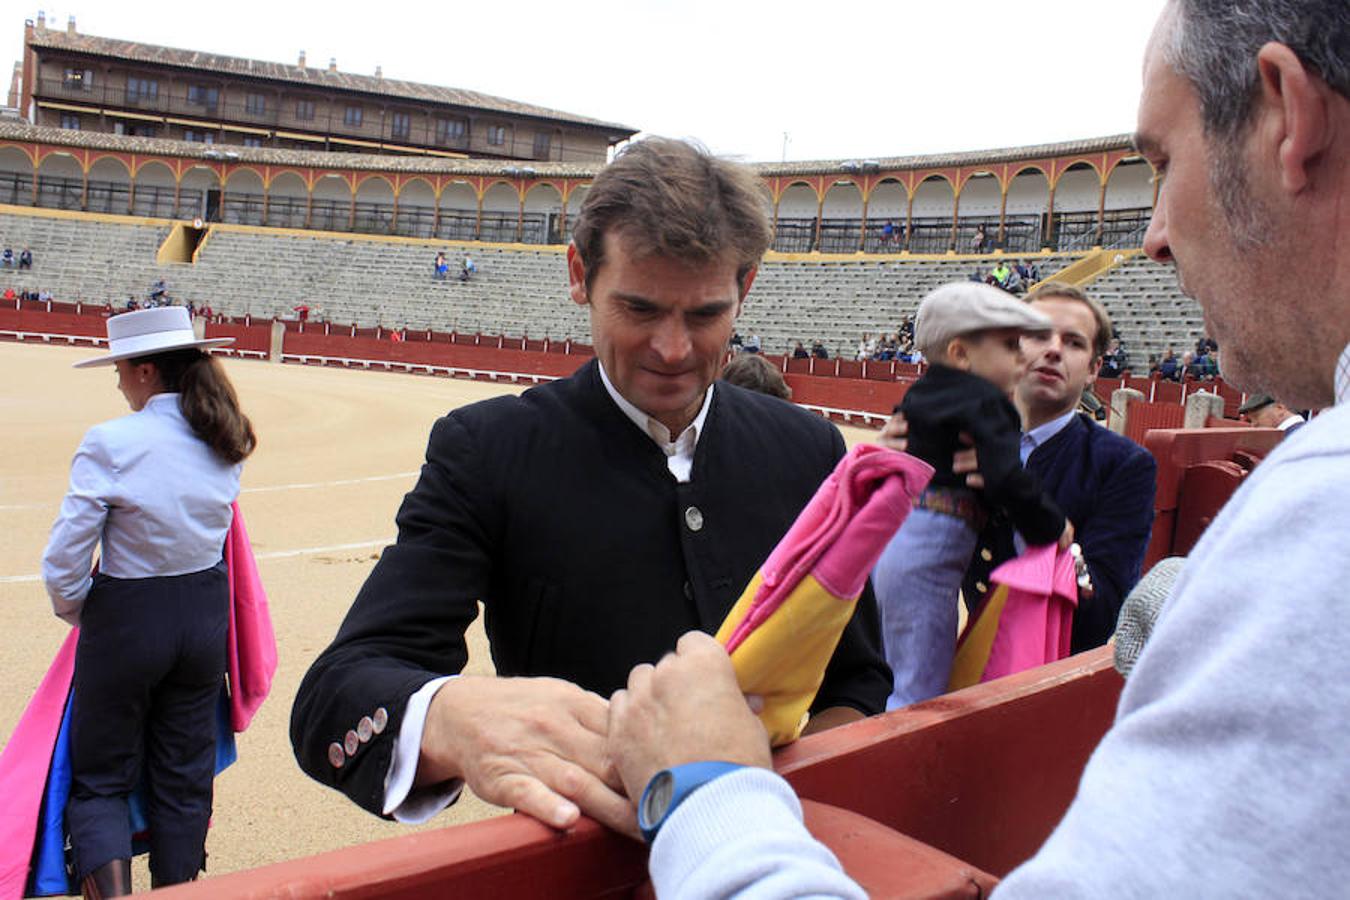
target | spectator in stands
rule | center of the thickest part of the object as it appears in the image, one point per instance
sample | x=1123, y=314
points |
x=440, y=268
x=978, y=275
x=755, y=373
x=752, y=344
x=1000, y=274
x=736, y=343
x=887, y=234
x=553, y=510
x=799, y=352
x=44, y=296
x=819, y=350
x=1033, y=273
x=866, y=347
x=1015, y=284
x=980, y=240
x=467, y=269
x=1233, y=711
x=1264, y=411
x=972, y=334
x=207, y=312
x=159, y=292
x=26, y=259
x=132, y=305
x=10, y=295
x=1169, y=368
x=301, y=312
x=1116, y=360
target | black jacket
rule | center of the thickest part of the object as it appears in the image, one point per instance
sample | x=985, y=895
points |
x=560, y=515
x=947, y=401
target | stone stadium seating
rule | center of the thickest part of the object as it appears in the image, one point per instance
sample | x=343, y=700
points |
x=1148, y=309
x=369, y=282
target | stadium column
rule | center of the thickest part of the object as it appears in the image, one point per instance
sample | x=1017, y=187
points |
x=862, y=232
x=820, y=214
x=1049, y=234
x=1003, y=209
x=956, y=215
x=909, y=213
x=1101, y=210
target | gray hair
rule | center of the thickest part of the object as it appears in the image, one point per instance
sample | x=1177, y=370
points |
x=1214, y=44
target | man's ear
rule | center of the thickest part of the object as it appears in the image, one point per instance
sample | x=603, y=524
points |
x=576, y=277
x=1294, y=112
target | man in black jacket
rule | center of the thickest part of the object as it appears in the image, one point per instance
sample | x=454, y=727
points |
x=596, y=519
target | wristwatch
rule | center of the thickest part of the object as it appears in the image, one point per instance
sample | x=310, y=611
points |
x=669, y=788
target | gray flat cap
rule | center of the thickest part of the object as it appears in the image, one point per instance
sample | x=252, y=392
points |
x=965, y=306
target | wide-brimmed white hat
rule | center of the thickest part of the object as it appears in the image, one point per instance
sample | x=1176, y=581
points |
x=148, y=331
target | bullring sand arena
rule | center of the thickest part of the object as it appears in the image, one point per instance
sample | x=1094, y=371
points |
x=338, y=449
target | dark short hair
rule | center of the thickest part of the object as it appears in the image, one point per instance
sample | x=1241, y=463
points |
x=1101, y=342
x=753, y=372
x=674, y=199
x=1214, y=44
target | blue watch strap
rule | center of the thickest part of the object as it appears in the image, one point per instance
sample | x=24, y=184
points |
x=669, y=788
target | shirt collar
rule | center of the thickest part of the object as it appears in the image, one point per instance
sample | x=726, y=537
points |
x=649, y=426
x=1042, y=433
x=1343, y=377
x=161, y=399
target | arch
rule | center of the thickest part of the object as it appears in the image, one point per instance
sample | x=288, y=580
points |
x=60, y=182
x=416, y=208
x=27, y=151
x=1028, y=199
x=574, y=201
x=981, y=205
x=841, y=217
x=330, y=206
x=106, y=162
x=1078, y=197
x=501, y=212
x=199, y=193
x=109, y=186
x=287, y=199
x=375, y=205
x=795, y=218
x=457, y=212
x=886, y=205
x=242, y=197
x=541, y=221
x=16, y=175
x=1127, y=204
x=1031, y=167
x=1078, y=165
x=931, y=219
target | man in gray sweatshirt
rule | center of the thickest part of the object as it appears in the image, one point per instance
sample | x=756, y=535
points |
x=1226, y=772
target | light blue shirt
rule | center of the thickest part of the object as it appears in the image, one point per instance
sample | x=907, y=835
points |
x=151, y=492
x=1042, y=433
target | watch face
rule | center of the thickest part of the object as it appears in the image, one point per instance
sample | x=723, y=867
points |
x=657, y=799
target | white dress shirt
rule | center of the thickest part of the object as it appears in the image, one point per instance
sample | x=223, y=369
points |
x=1042, y=433
x=416, y=807
x=151, y=492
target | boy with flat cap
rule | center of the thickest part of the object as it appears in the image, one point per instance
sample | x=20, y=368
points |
x=971, y=335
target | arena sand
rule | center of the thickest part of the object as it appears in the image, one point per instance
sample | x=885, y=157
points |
x=338, y=449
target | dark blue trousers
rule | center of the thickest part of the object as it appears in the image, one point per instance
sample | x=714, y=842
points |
x=149, y=668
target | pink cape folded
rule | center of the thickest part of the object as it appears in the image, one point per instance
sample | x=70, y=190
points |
x=252, y=643
x=28, y=754
x=1026, y=620
x=783, y=631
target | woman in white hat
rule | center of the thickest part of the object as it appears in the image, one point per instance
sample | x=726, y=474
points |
x=153, y=489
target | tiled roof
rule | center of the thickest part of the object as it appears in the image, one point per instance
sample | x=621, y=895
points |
x=312, y=76
x=945, y=160
x=20, y=131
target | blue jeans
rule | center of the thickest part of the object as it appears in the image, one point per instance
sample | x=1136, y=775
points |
x=917, y=581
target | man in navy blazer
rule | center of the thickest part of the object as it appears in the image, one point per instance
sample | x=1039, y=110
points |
x=1104, y=482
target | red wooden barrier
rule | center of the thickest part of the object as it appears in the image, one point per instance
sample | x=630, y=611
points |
x=922, y=802
x=252, y=338
x=847, y=393
x=1184, y=467
x=1142, y=417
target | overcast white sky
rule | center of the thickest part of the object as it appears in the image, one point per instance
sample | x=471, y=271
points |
x=852, y=80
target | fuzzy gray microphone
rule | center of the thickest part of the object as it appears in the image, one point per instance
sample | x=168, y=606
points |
x=1140, y=610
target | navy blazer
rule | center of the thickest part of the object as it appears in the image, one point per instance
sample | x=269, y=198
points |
x=1105, y=484
x=561, y=517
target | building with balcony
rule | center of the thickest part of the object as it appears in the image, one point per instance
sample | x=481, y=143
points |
x=81, y=82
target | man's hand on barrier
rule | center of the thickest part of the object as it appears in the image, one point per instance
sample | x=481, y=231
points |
x=536, y=745
x=686, y=708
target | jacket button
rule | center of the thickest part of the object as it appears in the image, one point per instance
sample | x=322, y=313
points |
x=986, y=555
x=380, y=720
x=365, y=729
x=351, y=743
x=981, y=587
x=693, y=517
x=335, y=755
